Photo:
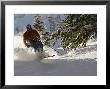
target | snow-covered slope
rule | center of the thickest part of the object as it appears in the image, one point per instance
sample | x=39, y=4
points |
x=21, y=52
x=79, y=62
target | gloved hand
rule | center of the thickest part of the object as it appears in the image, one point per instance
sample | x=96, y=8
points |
x=28, y=46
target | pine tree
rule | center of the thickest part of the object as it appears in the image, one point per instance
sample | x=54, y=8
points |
x=76, y=30
x=58, y=20
x=51, y=23
x=16, y=30
x=39, y=26
x=38, y=23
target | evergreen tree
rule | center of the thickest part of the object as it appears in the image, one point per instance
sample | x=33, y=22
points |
x=38, y=23
x=76, y=30
x=39, y=26
x=58, y=20
x=17, y=29
x=51, y=23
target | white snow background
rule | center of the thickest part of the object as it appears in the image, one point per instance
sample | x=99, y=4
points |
x=79, y=62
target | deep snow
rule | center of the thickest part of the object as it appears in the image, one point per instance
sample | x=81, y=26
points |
x=79, y=62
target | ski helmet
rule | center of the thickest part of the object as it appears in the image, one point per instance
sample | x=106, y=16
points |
x=29, y=28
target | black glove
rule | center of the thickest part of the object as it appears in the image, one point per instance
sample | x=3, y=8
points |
x=28, y=46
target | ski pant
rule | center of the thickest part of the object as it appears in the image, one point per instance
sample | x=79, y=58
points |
x=37, y=45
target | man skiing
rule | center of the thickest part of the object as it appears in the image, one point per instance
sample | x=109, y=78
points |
x=31, y=38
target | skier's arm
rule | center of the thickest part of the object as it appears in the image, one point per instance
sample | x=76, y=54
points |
x=26, y=43
x=24, y=40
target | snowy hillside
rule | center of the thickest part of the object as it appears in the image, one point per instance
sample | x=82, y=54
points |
x=24, y=53
x=79, y=62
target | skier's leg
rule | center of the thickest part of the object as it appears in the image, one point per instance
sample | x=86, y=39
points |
x=34, y=46
x=40, y=46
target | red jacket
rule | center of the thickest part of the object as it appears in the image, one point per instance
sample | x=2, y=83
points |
x=30, y=36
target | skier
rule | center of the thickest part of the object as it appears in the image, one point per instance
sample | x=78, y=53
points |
x=31, y=38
